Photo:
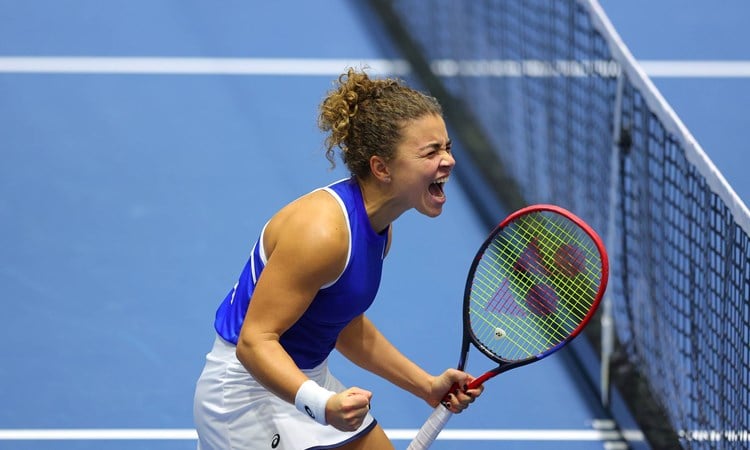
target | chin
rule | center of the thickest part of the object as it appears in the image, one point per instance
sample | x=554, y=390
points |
x=431, y=212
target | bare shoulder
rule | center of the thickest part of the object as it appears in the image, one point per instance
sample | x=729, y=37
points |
x=312, y=228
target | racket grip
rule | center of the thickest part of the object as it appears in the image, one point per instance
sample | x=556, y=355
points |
x=431, y=428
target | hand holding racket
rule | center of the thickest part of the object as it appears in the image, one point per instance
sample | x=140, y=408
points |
x=532, y=287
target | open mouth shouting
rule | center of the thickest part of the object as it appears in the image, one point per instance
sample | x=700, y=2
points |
x=437, y=188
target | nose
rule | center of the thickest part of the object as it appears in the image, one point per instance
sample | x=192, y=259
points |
x=448, y=160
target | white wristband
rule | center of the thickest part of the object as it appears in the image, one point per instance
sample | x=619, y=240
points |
x=311, y=399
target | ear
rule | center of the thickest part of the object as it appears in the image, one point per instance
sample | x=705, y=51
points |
x=380, y=169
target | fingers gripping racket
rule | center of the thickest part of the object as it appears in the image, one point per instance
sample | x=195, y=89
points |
x=532, y=287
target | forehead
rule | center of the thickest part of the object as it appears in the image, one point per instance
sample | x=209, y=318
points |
x=423, y=130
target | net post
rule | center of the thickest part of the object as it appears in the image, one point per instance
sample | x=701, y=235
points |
x=607, y=317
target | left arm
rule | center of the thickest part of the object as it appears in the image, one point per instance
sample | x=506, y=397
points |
x=363, y=344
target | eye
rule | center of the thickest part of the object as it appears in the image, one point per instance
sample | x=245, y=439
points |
x=431, y=151
x=438, y=149
x=435, y=149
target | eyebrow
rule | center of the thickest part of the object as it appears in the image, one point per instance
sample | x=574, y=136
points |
x=448, y=144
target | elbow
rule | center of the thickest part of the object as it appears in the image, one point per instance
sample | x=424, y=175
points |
x=252, y=347
x=247, y=348
x=242, y=350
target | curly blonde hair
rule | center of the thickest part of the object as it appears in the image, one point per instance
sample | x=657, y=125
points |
x=364, y=117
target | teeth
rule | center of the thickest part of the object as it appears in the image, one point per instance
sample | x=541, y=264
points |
x=441, y=180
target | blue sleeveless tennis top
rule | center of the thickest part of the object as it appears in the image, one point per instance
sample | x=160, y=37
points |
x=312, y=338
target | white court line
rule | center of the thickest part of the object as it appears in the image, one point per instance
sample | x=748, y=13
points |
x=97, y=434
x=696, y=69
x=333, y=67
x=394, y=434
x=175, y=434
x=196, y=66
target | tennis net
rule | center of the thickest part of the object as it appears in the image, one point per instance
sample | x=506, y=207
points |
x=555, y=109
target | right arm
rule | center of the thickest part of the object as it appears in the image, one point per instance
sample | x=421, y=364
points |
x=306, y=247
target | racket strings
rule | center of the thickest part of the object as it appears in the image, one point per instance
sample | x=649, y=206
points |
x=530, y=335
x=526, y=335
x=505, y=305
x=533, y=286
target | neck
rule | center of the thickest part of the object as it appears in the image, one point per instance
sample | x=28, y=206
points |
x=381, y=206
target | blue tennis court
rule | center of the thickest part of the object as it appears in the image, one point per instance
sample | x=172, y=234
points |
x=133, y=185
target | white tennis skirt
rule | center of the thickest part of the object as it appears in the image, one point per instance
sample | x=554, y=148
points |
x=232, y=411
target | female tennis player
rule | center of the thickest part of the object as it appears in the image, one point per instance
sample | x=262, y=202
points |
x=312, y=274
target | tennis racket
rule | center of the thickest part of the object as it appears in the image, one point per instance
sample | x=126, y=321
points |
x=532, y=287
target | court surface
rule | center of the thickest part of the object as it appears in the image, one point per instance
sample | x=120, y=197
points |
x=129, y=200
